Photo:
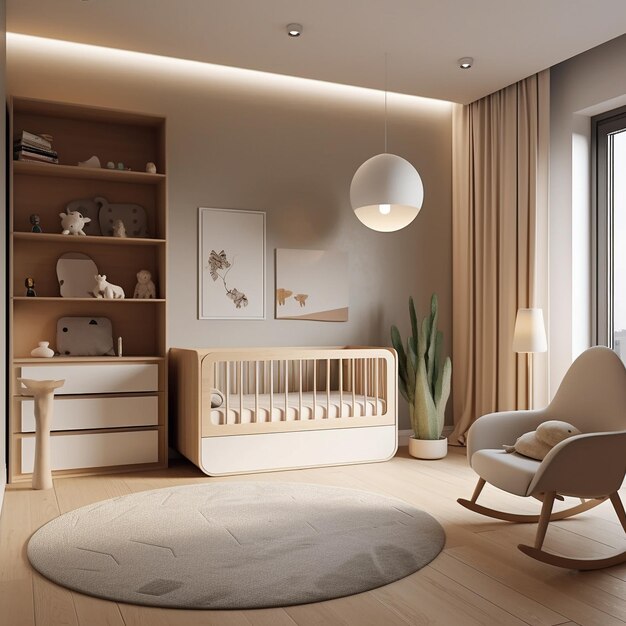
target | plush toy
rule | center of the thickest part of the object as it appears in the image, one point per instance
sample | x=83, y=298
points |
x=119, y=230
x=538, y=443
x=72, y=223
x=145, y=289
x=106, y=290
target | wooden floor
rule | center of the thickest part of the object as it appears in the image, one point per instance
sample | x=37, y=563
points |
x=480, y=577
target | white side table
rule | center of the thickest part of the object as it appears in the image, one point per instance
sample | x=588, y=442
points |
x=43, y=393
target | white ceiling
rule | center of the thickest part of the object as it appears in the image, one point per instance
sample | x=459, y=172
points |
x=344, y=41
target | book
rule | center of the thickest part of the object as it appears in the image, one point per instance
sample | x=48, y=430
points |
x=35, y=140
x=31, y=156
x=27, y=148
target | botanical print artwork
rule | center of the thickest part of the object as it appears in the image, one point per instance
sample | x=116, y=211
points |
x=219, y=267
x=231, y=250
x=312, y=285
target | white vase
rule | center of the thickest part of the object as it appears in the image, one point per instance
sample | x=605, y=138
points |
x=42, y=350
x=428, y=448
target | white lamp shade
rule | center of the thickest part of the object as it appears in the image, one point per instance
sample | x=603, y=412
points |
x=386, y=193
x=530, y=333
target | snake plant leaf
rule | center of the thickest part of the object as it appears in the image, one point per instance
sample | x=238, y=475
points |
x=438, y=367
x=412, y=351
x=442, y=392
x=396, y=341
x=403, y=389
x=424, y=408
x=432, y=339
x=413, y=317
x=411, y=368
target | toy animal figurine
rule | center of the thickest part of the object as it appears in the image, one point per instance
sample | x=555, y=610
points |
x=110, y=165
x=301, y=298
x=145, y=289
x=29, y=283
x=119, y=230
x=73, y=222
x=150, y=167
x=106, y=290
x=538, y=443
x=35, y=220
x=93, y=161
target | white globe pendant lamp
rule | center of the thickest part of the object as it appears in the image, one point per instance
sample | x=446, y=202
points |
x=386, y=192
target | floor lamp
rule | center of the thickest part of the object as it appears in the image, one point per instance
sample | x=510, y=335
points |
x=529, y=337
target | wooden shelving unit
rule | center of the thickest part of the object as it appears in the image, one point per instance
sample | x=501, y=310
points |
x=46, y=189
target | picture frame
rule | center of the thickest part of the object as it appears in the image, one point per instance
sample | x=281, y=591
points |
x=231, y=264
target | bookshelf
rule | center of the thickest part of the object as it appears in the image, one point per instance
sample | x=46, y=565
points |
x=46, y=189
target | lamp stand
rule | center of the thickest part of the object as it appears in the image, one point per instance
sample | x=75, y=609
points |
x=530, y=380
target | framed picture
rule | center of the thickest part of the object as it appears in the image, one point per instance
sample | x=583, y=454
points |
x=231, y=268
x=312, y=285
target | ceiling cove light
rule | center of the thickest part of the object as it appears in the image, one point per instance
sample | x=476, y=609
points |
x=294, y=30
x=386, y=192
x=465, y=63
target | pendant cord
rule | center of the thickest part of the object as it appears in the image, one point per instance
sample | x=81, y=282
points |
x=385, y=102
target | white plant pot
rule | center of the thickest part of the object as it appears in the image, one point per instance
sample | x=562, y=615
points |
x=428, y=448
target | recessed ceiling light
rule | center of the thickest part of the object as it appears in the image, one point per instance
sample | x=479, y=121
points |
x=294, y=30
x=466, y=63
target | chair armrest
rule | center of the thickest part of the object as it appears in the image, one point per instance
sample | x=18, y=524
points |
x=494, y=430
x=585, y=466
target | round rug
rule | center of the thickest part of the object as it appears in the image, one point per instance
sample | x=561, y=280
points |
x=235, y=545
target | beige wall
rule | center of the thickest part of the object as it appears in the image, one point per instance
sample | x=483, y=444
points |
x=586, y=85
x=289, y=147
x=3, y=301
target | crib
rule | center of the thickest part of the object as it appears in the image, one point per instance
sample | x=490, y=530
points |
x=284, y=408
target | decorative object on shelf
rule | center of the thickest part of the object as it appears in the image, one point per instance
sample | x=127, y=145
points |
x=121, y=166
x=110, y=165
x=87, y=207
x=529, y=337
x=35, y=220
x=43, y=394
x=312, y=285
x=151, y=168
x=232, y=281
x=34, y=148
x=386, y=192
x=145, y=289
x=72, y=223
x=85, y=336
x=29, y=283
x=133, y=215
x=120, y=347
x=93, y=161
x=42, y=350
x=423, y=382
x=106, y=290
x=75, y=272
x=119, y=230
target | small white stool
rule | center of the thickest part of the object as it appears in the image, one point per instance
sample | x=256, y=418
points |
x=43, y=393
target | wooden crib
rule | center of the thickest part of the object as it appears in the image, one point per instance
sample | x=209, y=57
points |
x=284, y=408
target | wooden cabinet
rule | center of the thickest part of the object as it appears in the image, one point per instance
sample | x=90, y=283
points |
x=112, y=410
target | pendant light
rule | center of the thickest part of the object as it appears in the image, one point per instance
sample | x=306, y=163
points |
x=386, y=191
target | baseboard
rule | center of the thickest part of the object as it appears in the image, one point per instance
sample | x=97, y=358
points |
x=403, y=435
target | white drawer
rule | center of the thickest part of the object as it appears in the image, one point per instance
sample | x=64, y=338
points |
x=98, y=378
x=95, y=450
x=87, y=413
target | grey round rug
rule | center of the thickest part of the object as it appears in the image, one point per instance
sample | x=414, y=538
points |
x=235, y=545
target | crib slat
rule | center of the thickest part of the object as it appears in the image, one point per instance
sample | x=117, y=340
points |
x=340, y=387
x=365, y=365
x=353, y=372
x=271, y=390
x=286, y=416
x=300, y=389
x=227, y=389
x=240, y=392
x=314, y=388
x=376, y=386
x=256, y=391
x=327, y=388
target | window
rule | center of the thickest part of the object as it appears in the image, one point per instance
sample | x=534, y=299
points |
x=609, y=136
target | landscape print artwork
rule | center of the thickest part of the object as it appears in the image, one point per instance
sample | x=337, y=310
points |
x=312, y=285
x=231, y=264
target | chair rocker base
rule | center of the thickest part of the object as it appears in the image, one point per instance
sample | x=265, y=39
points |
x=529, y=519
x=572, y=563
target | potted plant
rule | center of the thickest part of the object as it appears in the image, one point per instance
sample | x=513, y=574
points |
x=424, y=382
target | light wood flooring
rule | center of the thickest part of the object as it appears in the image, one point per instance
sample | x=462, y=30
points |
x=480, y=578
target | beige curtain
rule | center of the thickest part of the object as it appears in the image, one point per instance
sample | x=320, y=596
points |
x=499, y=196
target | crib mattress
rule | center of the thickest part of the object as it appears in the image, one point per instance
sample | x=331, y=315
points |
x=323, y=407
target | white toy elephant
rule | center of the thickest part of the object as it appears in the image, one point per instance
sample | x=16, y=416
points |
x=106, y=290
x=73, y=222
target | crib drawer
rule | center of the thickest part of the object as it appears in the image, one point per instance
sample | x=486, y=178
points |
x=94, y=413
x=83, y=450
x=96, y=378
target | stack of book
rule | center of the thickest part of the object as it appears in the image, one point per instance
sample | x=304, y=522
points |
x=31, y=147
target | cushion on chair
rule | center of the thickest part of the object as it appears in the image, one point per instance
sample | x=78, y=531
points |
x=509, y=472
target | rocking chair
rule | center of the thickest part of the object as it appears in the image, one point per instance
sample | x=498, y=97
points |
x=590, y=466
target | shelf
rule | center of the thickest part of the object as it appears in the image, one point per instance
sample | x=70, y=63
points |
x=44, y=299
x=91, y=173
x=87, y=359
x=95, y=239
